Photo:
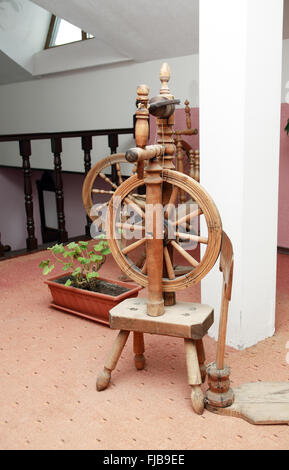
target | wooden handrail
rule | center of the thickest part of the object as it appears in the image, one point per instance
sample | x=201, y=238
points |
x=55, y=139
x=64, y=134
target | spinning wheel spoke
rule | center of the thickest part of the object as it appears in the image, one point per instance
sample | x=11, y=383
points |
x=145, y=268
x=185, y=254
x=101, y=191
x=133, y=246
x=119, y=175
x=130, y=227
x=108, y=180
x=134, y=205
x=97, y=208
x=193, y=238
x=188, y=217
x=172, y=201
x=169, y=266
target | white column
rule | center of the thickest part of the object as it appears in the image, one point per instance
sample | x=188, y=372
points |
x=240, y=96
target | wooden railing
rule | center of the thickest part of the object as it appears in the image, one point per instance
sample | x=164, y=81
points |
x=56, y=148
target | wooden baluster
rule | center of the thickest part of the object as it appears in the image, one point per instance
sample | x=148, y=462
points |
x=25, y=152
x=2, y=248
x=113, y=144
x=197, y=166
x=56, y=148
x=180, y=167
x=188, y=115
x=86, y=144
x=192, y=163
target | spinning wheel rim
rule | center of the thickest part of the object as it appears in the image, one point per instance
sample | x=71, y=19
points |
x=92, y=175
x=213, y=222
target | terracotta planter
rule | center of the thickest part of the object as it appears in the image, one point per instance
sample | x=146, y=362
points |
x=92, y=305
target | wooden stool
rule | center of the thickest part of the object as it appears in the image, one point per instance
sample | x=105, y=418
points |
x=190, y=321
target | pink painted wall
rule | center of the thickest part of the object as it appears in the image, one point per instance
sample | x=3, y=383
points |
x=180, y=123
x=283, y=215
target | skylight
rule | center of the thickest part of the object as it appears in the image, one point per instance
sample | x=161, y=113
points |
x=66, y=33
x=62, y=32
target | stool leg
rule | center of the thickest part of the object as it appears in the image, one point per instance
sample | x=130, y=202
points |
x=201, y=358
x=194, y=376
x=103, y=379
x=138, y=349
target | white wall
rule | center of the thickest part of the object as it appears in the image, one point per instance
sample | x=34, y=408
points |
x=239, y=143
x=285, y=72
x=91, y=99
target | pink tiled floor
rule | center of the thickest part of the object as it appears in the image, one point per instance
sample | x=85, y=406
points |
x=49, y=361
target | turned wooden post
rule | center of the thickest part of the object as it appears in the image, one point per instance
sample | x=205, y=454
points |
x=154, y=245
x=220, y=394
x=180, y=167
x=188, y=114
x=185, y=132
x=197, y=165
x=165, y=137
x=25, y=152
x=2, y=248
x=56, y=147
x=86, y=145
x=104, y=377
x=192, y=163
x=138, y=349
x=153, y=181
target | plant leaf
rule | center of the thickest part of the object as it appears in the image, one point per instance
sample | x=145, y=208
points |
x=83, y=245
x=43, y=264
x=58, y=248
x=76, y=272
x=98, y=247
x=83, y=260
x=68, y=282
x=67, y=266
x=92, y=275
x=48, y=269
x=95, y=258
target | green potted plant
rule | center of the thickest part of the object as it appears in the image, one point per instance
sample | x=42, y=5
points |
x=81, y=291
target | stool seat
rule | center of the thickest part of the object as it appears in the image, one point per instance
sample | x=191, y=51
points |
x=183, y=320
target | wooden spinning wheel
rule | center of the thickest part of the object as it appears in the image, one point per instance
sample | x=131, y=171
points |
x=157, y=224
x=95, y=180
x=203, y=205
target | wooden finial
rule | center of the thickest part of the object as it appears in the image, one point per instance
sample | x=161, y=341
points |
x=142, y=95
x=165, y=75
x=142, y=122
x=188, y=114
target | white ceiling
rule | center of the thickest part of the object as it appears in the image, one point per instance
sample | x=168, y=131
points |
x=11, y=72
x=141, y=30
